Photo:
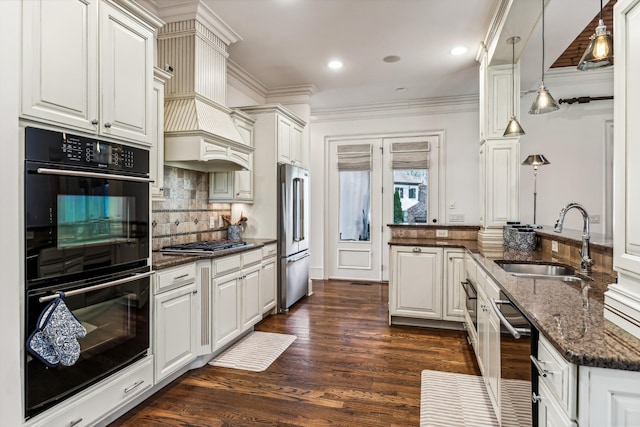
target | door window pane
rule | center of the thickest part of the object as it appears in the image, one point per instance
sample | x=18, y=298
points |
x=410, y=196
x=355, y=205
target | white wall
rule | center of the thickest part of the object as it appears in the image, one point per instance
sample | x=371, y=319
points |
x=572, y=139
x=12, y=248
x=460, y=124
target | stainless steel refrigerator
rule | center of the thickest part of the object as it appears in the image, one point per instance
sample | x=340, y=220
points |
x=293, y=235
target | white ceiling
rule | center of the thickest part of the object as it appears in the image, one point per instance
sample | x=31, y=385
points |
x=289, y=43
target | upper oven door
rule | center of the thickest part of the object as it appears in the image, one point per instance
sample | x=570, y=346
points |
x=80, y=222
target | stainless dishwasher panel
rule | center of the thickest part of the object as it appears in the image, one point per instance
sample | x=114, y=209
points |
x=293, y=282
x=518, y=341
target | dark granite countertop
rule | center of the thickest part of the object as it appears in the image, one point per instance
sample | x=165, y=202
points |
x=569, y=314
x=160, y=260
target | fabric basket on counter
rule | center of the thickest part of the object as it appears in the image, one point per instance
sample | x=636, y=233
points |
x=520, y=237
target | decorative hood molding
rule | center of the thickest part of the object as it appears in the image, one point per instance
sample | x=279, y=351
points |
x=201, y=135
x=199, y=131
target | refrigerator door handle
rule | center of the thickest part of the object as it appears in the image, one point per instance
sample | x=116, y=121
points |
x=301, y=211
x=289, y=261
x=297, y=211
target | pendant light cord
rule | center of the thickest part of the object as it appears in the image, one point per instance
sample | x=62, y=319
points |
x=513, y=77
x=543, y=42
x=601, y=10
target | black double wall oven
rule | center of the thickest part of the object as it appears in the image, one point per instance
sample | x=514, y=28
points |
x=86, y=239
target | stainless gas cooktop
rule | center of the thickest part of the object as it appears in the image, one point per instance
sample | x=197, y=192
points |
x=206, y=247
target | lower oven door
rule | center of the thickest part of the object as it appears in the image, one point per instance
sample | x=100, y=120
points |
x=115, y=313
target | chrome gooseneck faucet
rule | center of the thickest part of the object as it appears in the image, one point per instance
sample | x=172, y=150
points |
x=586, y=261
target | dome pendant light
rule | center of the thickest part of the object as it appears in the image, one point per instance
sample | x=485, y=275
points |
x=599, y=53
x=544, y=102
x=513, y=127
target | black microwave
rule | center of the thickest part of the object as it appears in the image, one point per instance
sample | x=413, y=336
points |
x=86, y=207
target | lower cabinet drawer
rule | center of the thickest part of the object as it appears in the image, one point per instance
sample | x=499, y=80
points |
x=98, y=401
x=560, y=376
x=550, y=414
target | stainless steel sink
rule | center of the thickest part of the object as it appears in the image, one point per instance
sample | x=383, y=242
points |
x=542, y=271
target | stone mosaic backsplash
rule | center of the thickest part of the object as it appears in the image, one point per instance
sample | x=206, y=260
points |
x=185, y=213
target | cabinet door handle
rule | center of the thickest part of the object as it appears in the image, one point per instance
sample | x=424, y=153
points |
x=94, y=122
x=195, y=291
x=535, y=398
x=182, y=276
x=135, y=385
x=75, y=422
x=541, y=371
x=417, y=250
x=107, y=125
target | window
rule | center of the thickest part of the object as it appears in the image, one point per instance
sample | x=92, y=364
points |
x=413, y=209
x=354, y=166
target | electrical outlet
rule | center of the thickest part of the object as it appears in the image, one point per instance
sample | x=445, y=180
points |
x=554, y=246
x=452, y=205
x=442, y=233
x=595, y=219
x=456, y=217
x=212, y=222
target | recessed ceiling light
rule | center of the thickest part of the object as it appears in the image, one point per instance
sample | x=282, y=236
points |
x=335, y=64
x=391, y=58
x=459, y=50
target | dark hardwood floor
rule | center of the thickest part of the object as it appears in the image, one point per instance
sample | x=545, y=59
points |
x=346, y=368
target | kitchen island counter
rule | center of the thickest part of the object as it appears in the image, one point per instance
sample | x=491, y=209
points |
x=569, y=314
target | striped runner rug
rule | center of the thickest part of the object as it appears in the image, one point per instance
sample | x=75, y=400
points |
x=455, y=400
x=255, y=352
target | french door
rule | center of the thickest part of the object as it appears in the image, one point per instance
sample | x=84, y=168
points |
x=370, y=185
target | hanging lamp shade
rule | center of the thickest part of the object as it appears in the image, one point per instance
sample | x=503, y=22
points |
x=513, y=127
x=544, y=102
x=599, y=53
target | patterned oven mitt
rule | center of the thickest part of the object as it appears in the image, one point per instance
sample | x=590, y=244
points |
x=55, y=340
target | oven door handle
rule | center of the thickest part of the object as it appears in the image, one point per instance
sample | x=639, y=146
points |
x=136, y=276
x=516, y=332
x=48, y=171
x=471, y=293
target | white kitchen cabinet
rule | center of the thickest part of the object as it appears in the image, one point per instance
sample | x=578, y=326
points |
x=609, y=397
x=251, y=306
x=268, y=278
x=550, y=414
x=174, y=332
x=273, y=126
x=415, y=289
x=92, y=405
x=156, y=151
x=235, y=186
x=454, y=297
x=499, y=188
x=289, y=141
x=235, y=295
x=88, y=65
x=492, y=347
x=622, y=299
x=497, y=90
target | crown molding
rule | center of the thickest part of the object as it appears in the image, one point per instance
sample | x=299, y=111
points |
x=196, y=9
x=297, y=94
x=240, y=79
x=427, y=106
x=567, y=76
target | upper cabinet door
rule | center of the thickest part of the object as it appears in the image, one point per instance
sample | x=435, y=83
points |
x=284, y=139
x=59, y=62
x=126, y=71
